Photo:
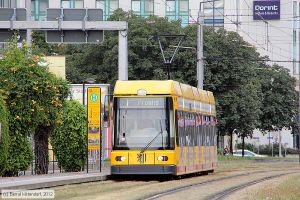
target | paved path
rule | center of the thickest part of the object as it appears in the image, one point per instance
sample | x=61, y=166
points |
x=51, y=180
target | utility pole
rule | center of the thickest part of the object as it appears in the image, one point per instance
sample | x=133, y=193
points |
x=237, y=23
x=299, y=115
x=28, y=18
x=200, y=63
x=280, y=154
x=123, y=55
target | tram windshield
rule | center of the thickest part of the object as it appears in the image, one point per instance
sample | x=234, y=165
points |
x=142, y=123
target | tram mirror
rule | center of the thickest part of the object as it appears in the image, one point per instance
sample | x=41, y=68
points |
x=106, y=118
x=106, y=111
x=123, y=138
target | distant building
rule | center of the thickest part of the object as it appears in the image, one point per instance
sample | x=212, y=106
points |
x=272, y=26
x=186, y=10
x=56, y=65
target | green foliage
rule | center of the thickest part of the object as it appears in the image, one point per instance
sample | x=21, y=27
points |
x=279, y=99
x=41, y=47
x=4, y=138
x=20, y=154
x=248, y=146
x=234, y=71
x=69, y=138
x=33, y=97
x=101, y=61
x=227, y=158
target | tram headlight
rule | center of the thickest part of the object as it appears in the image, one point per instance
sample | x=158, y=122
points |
x=123, y=158
x=120, y=158
x=162, y=158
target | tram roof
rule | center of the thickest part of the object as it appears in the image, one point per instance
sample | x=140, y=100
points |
x=163, y=87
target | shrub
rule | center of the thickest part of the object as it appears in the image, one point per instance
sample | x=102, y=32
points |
x=4, y=138
x=248, y=146
x=19, y=155
x=69, y=138
x=33, y=97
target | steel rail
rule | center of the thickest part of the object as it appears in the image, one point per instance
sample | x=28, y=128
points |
x=185, y=187
x=227, y=192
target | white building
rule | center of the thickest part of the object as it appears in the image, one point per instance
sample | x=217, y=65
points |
x=276, y=38
x=271, y=26
x=186, y=10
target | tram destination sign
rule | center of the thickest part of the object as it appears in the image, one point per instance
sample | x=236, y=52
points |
x=266, y=10
x=142, y=103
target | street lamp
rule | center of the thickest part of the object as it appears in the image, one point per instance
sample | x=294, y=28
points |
x=86, y=81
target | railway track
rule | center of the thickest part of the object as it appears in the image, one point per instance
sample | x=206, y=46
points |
x=224, y=193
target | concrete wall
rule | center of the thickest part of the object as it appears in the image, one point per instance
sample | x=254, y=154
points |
x=57, y=65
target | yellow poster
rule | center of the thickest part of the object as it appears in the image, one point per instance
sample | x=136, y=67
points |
x=94, y=117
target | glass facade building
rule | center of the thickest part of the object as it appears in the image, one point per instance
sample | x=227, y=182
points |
x=108, y=7
x=143, y=7
x=38, y=12
x=184, y=10
x=214, y=13
x=9, y=3
x=178, y=9
x=72, y=4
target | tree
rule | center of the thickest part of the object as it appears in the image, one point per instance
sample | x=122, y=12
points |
x=101, y=61
x=279, y=105
x=230, y=73
x=33, y=96
x=69, y=138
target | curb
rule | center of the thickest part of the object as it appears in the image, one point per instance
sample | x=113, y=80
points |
x=54, y=183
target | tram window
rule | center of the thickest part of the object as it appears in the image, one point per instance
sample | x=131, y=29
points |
x=171, y=123
x=200, y=130
x=206, y=131
x=177, y=127
x=190, y=132
x=203, y=131
x=182, y=135
x=186, y=129
x=213, y=129
x=180, y=128
x=210, y=132
x=197, y=128
x=214, y=132
x=193, y=126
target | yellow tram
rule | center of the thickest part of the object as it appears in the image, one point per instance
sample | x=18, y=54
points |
x=163, y=127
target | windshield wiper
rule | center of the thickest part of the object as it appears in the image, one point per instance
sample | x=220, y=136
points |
x=148, y=145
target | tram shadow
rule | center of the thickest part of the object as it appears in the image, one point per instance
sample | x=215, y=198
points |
x=141, y=177
x=157, y=177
